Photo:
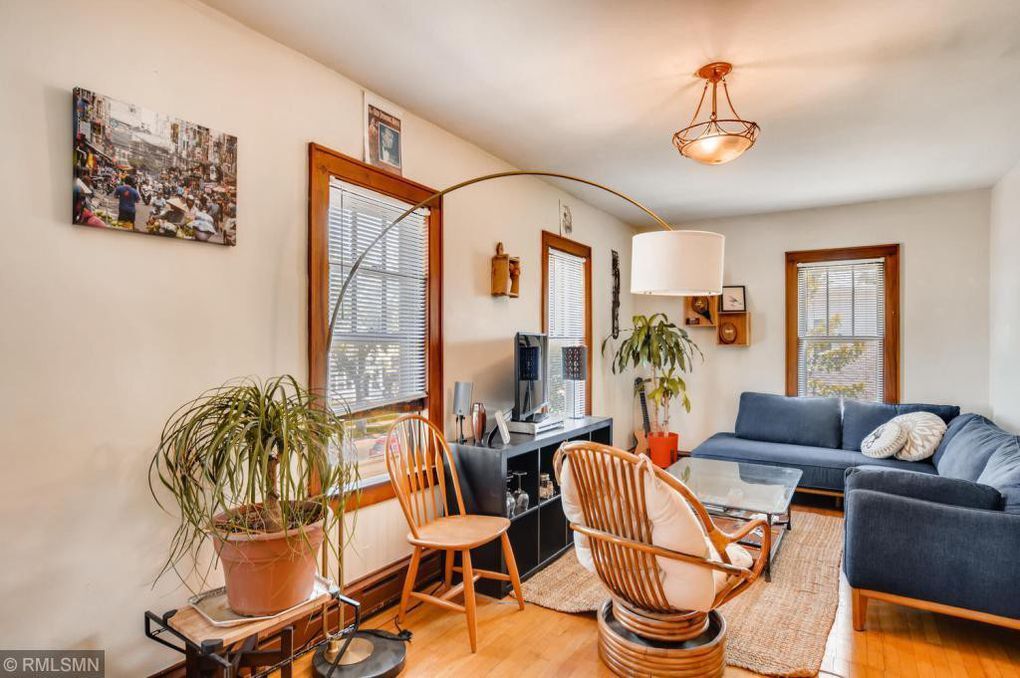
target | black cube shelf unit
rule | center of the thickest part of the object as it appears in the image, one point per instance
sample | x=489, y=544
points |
x=541, y=533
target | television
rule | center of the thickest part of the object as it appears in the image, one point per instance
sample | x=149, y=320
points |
x=531, y=376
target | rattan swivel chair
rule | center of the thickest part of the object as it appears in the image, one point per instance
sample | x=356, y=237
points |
x=607, y=494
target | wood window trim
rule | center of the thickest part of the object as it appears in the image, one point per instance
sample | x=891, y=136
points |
x=324, y=163
x=890, y=254
x=554, y=241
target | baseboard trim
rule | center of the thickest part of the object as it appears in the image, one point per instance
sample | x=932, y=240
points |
x=376, y=591
x=929, y=606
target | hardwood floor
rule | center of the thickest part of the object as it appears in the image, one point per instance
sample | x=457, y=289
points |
x=541, y=642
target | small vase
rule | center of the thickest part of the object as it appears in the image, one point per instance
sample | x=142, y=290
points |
x=478, y=422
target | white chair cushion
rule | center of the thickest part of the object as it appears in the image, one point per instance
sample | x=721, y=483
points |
x=571, y=500
x=884, y=441
x=924, y=433
x=739, y=557
x=675, y=527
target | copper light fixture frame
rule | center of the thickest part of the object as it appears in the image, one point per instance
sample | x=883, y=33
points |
x=713, y=74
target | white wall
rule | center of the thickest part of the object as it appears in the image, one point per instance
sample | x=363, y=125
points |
x=104, y=334
x=944, y=302
x=1004, y=284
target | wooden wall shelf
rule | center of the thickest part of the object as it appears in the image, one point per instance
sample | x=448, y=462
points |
x=734, y=329
x=701, y=311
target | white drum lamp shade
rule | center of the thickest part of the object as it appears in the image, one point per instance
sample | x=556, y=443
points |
x=677, y=263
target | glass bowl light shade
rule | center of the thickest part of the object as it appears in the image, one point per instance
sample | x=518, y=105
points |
x=718, y=143
x=677, y=263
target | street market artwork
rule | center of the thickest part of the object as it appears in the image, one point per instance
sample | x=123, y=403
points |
x=142, y=171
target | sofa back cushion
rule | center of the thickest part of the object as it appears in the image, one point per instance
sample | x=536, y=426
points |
x=860, y=417
x=954, y=427
x=791, y=420
x=1003, y=471
x=967, y=447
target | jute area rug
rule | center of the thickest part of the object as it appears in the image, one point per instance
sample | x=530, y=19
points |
x=775, y=628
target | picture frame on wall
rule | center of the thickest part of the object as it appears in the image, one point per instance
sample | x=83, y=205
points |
x=383, y=134
x=733, y=299
x=142, y=171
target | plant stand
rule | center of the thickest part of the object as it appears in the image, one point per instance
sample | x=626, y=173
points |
x=221, y=651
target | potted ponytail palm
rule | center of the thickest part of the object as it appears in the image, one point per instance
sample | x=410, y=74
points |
x=250, y=465
x=667, y=351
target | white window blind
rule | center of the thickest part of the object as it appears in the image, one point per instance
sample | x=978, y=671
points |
x=378, y=356
x=841, y=328
x=565, y=325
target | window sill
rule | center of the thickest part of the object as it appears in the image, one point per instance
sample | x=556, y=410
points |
x=371, y=491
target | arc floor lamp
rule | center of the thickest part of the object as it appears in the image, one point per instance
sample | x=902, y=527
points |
x=667, y=262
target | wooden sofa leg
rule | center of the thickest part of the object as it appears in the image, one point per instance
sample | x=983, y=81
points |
x=859, y=609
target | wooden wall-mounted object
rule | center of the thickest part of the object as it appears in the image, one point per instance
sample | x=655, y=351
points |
x=506, y=274
x=701, y=311
x=734, y=329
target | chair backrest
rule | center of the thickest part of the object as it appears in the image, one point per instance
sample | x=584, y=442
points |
x=416, y=452
x=610, y=486
x=612, y=498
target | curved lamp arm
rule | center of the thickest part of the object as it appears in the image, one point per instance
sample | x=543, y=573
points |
x=477, y=180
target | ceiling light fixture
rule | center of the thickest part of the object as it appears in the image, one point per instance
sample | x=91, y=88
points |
x=715, y=141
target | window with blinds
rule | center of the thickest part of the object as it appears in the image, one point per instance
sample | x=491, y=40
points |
x=566, y=323
x=841, y=328
x=379, y=353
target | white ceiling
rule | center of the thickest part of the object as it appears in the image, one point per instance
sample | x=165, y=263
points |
x=857, y=100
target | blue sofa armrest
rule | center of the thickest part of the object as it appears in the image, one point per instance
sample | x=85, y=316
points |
x=926, y=486
x=929, y=551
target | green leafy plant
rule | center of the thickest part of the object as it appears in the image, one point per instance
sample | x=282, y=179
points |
x=251, y=457
x=667, y=351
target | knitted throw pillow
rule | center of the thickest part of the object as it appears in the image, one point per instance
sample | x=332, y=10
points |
x=924, y=433
x=884, y=441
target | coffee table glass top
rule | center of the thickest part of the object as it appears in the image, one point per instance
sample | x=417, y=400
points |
x=738, y=485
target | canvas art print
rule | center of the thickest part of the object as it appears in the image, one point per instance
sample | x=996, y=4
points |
x=382, y=135
x=142, y=171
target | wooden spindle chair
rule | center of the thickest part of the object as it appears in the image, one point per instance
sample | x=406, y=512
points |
x=415, y=454
x=610, y=486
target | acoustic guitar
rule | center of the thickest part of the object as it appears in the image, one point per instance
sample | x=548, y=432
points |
x=641, y=433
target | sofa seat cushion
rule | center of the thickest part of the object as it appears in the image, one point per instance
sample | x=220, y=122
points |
x=861, y=417
x=969, y=445
x=815, y=422
x=822, y=467
x=925, y=466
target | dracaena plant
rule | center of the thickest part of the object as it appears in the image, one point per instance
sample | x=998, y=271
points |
x=667, y=352
x=251, y=457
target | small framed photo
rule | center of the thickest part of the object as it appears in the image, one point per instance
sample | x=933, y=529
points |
x=734, y=299
x=383, y=134
x=501, y=424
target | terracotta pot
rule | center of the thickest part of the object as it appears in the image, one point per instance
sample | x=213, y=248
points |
x=662, y=448
x=268, y=573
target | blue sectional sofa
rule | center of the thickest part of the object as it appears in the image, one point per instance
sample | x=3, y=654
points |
x=820, y=436
x=948, y=542
x=941, y=535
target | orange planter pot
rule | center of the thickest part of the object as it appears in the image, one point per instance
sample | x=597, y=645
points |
x=268, y=573
x=662, y=448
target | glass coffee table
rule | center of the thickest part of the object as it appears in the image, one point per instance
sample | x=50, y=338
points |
x=738, y=490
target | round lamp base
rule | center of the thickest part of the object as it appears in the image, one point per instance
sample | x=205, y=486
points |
x=368, y=656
